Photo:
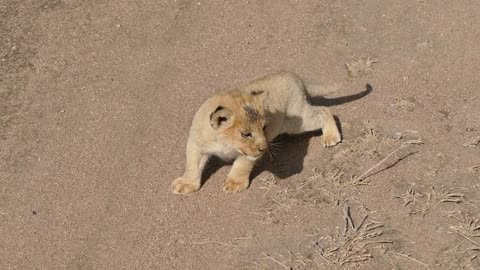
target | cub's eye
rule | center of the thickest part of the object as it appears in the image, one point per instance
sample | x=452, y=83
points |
x=246, y=134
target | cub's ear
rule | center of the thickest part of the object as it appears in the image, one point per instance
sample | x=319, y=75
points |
x=256, y=92
x=220, y=117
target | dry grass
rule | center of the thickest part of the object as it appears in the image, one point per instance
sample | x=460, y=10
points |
x=430, y=200
x=467, y=224
x=269, y=180
x=278, y=202
x=463, y=255
x=334, y=184
x=405, y=104
x=293, y=261
x=409, y=196
x=437, y=196
x=354, y=243
x=352, y=246
x=456, y=259
x=359, y=67
x=468, y=227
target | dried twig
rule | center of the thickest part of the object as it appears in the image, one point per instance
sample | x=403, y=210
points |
x=474, y=169
x=403, y=145
x=348, y=219
x=378, y=242
x=321, y=253
x=473, y=144
x=213, y=242
x=243, y=238
x=472, y=204
x=362, y=222
x=276, y=261
x=466, y=237
x=399, y=135
x=411, y=258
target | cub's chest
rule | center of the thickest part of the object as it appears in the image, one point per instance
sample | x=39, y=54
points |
x=223, y=151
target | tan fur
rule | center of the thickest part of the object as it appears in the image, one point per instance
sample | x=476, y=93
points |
x=237, y=124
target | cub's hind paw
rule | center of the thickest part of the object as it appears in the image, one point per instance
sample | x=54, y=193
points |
x=233, y=185
x=328, y=140
x=184, y=186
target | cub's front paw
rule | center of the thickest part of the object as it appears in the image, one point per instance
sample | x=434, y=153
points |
x=183, y=186
x=234, y=185
x=330, y=139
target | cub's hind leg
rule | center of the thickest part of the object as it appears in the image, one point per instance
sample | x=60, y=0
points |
x=331, y=136
x=315, y=118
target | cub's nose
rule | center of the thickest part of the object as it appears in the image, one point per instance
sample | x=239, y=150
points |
x=262, y=148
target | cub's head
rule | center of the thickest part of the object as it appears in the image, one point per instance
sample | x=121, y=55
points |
x=240, y=120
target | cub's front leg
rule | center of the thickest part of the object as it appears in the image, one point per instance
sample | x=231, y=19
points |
x=191, y=179
x=238, y=177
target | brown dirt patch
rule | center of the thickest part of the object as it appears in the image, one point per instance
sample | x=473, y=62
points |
x=97, y=98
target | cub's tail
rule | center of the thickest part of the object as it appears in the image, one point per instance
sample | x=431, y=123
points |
x=315, y=89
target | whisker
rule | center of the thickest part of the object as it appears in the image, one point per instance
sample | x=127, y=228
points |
x=276, y=143
x=269, y=152
x=274, y=151
x=275, y=147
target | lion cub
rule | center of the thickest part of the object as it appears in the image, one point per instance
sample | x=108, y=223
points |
x=238, y=124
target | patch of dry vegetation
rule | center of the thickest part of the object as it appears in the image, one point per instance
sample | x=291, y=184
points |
x=353, y=165
x=468, y=227
x=430, y=200
x=359, y=67
x=292, y=261
x=464, y=255
x=356, y=161
x=351, y=246
x=409, y=196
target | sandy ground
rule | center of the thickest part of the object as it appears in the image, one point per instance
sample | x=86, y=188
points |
x=97, y=99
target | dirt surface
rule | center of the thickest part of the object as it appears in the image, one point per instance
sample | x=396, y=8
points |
x=97, y=99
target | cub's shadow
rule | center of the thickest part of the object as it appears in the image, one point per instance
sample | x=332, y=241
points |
x=283, y=161
x=287, y=152
x=288, y=157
